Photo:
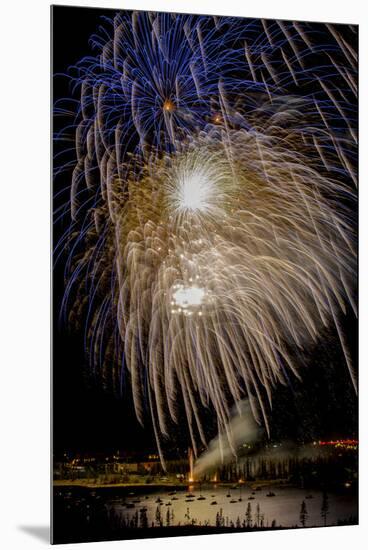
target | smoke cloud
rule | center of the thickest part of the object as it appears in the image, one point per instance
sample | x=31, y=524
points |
x=242, y=428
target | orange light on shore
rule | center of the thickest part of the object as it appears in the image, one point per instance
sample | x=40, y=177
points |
x=191, y=465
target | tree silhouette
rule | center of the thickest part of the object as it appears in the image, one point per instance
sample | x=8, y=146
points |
x=248, y=515
x=158, y=516
x=325, y=507
x=303, y=514
x=187, y=516
x=143, y=518
x=258, y=515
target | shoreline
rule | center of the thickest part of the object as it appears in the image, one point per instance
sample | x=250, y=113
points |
x=81, y=483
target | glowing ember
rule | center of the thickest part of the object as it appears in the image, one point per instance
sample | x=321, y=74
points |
x=169, y=106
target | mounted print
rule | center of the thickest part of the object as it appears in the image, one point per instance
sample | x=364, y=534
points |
x=205, y=274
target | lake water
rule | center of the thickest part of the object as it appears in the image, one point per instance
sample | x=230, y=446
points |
x=284, y=507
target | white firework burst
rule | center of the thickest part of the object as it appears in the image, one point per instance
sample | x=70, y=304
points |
x=230, y=256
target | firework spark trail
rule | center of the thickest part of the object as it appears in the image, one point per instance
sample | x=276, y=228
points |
x=217, y=237
x=213, y=287
x=156, y=81
x=152, y=90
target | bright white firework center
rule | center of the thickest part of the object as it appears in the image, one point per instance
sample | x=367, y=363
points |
x=196, y=191
x=188, y=297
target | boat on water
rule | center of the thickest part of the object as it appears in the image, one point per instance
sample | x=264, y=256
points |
x=232, y=501
x=213, y=503
x=201, y=497
x=270, y=494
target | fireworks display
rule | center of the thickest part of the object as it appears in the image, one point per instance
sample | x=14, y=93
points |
x=212, y=205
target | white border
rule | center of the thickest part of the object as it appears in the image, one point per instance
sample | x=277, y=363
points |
x=24, y=304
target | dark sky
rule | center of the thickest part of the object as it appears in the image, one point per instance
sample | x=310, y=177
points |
x=88, y=419
x=85, y=418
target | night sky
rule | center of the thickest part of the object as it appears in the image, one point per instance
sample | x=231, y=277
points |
x=85, y=417
x=88, y=418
